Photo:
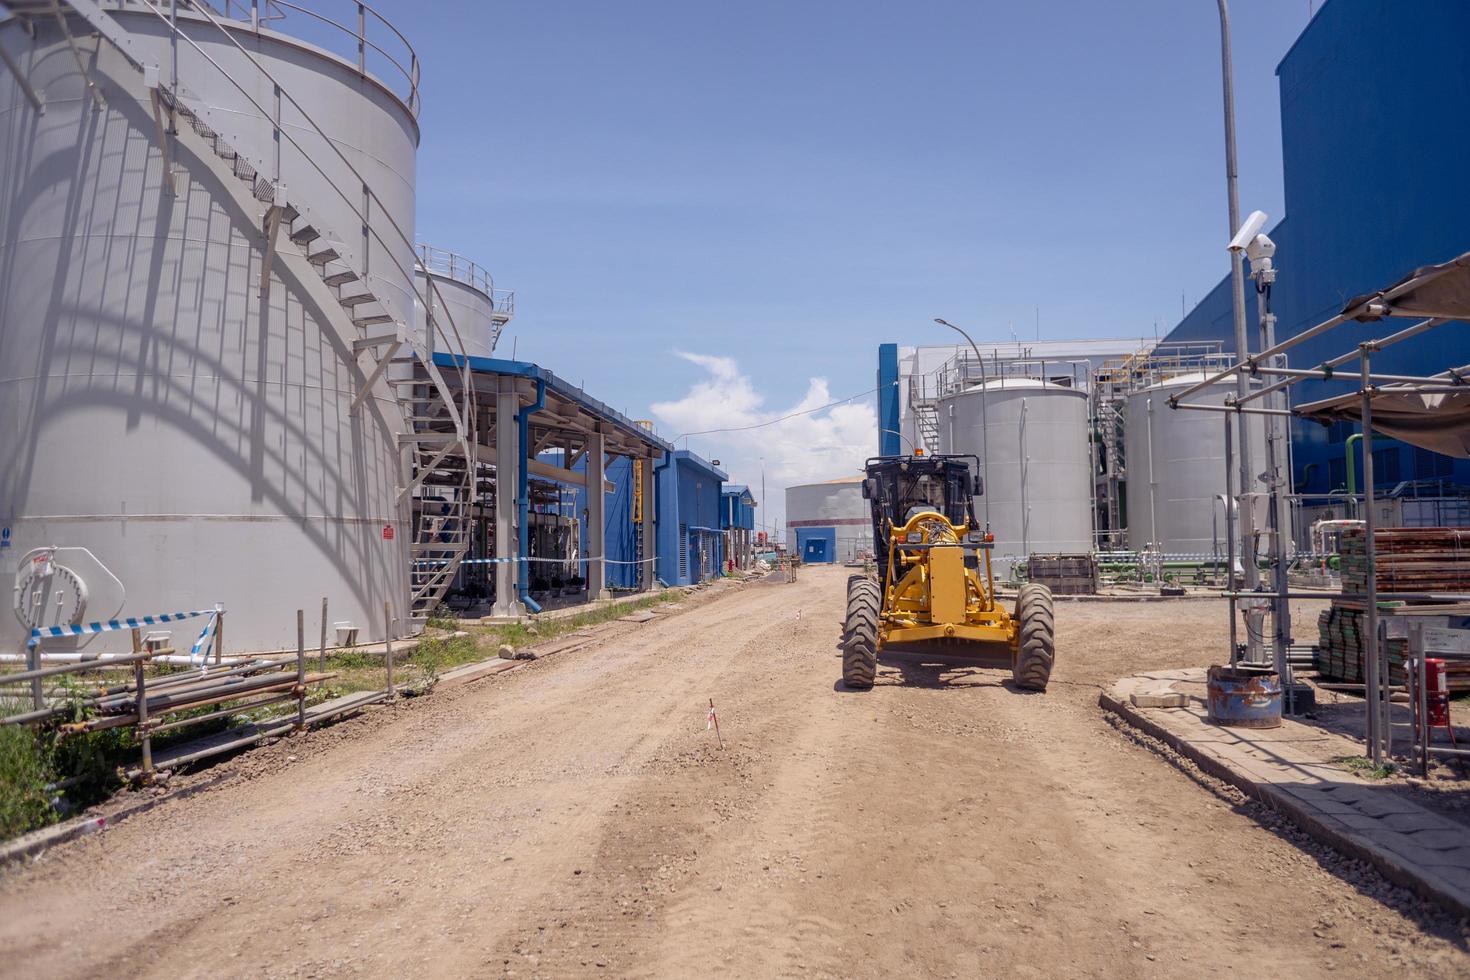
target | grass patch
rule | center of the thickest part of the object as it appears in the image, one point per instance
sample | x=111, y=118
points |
x=539, y=631
x=1363, y=766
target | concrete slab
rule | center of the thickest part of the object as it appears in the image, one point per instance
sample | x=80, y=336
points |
x=637, y=617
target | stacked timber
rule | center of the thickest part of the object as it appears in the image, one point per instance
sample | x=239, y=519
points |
x=1064, y=574
x=1409, y=559
x=1341, y=638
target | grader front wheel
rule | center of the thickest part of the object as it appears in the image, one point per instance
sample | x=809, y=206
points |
x=1037, y=650
x=860, y=634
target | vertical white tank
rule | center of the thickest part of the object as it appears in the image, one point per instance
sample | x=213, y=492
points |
x=477, y=310
x=1032, y=436
x=1175, y=461
x=158, y=412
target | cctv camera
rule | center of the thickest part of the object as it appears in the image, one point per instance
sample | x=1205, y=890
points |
x=1248, y=231
x=1261, y=247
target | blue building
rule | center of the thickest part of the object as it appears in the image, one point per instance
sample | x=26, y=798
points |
x=1374, y=95
x=737, y=518
x=690, y=539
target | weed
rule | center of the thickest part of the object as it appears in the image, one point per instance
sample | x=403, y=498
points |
x=1363, y=766
x=25, y=772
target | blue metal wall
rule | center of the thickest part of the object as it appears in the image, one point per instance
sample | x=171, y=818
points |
x=620, y=535
x=1374, y=98
x=688, y=502
x=816, y=545
x=888, y=406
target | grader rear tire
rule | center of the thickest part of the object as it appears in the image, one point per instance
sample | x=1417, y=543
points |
x=1037, y=651
x=860, y=635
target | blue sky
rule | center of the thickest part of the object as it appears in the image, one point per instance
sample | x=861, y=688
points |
x=786, y=185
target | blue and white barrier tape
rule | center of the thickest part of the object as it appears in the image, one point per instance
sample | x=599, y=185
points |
x=84, y=629
x=208, y=633
x=512, y=561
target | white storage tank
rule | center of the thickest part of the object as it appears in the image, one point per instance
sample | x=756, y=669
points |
x=477, y=310
x=1175, y=461
x=830, y=521
x=1032, y=437
x=188, y=430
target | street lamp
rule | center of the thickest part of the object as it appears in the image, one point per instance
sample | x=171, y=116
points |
x=984, y=434
x=895, y=432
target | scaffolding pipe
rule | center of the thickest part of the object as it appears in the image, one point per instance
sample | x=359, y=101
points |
x=1370, y=641
x=1342, y=359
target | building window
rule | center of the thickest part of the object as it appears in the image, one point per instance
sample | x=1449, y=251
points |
x=1386, y=466
x=683, y=549
x=1430, y=465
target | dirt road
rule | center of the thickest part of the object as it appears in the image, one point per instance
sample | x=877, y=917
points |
x=575, y=818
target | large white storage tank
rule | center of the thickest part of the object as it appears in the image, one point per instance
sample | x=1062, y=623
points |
x=1032, y=437
x=1175, y=460
x=477, y=310
x=829, y=521
x=192, y=436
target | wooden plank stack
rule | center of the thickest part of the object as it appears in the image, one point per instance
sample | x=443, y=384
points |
x=1410, y=559
x=1340, y=642
x=1064, y=574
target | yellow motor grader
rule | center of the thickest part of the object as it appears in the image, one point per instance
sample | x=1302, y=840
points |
x=934, y=595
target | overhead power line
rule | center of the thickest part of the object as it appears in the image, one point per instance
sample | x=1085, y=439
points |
x=762, y=425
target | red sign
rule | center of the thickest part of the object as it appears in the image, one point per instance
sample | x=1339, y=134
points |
x=387, y=532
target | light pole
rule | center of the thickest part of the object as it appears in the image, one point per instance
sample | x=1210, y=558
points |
x=984, y=426
x=763, y=499
x=1237, y=276
x=895, y=432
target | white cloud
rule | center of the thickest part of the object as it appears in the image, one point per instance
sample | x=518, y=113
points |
x=804, y=449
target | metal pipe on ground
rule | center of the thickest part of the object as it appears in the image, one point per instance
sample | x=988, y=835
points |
x=223, y=712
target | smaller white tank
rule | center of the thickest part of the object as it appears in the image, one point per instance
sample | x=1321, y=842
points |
x=478, y=310
x=1175, y=461
x=829, y=522
x=1032, y=439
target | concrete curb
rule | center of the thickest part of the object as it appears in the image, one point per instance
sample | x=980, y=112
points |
x=1390, y=865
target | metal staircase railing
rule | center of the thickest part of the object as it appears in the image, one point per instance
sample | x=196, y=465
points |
x=438, y=419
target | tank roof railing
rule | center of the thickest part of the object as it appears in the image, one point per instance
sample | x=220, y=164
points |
x=457, y=268
x=1144, y=370
x=333, y=35
x=962, y=370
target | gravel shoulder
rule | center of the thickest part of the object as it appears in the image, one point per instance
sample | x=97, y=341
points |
x=574, y=817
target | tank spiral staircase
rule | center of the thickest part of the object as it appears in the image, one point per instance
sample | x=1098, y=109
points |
x=436, y=423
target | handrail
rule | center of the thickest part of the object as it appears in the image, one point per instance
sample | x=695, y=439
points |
x=250, y=11
x=458, y=345
x=453, y=266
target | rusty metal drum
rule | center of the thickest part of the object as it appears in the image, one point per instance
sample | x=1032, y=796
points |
x=1241, y=697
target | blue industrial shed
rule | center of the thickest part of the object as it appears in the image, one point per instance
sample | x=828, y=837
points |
x=737, y=508
x=737, y=519
x=1374, y=95
x=690, y=540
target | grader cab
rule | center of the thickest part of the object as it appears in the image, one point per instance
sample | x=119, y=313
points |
x=934, y=595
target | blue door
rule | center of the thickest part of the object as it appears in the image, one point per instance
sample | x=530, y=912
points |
x=815, y=551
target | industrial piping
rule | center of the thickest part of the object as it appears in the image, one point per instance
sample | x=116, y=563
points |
x=523, y=494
